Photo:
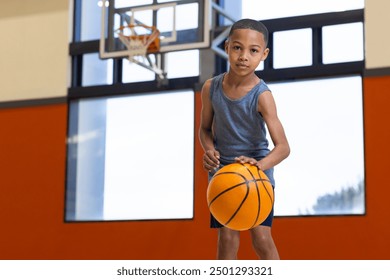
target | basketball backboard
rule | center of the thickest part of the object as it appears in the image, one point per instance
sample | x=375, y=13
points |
x=181, y=25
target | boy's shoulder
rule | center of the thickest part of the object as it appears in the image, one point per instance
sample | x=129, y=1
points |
x=206, y=86
x=209, y=81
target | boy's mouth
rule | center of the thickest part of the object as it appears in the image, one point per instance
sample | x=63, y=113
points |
x=242, y=65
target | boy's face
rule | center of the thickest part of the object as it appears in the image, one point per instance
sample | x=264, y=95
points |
x=246, y=48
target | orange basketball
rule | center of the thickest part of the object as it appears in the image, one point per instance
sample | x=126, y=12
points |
x=240, y=196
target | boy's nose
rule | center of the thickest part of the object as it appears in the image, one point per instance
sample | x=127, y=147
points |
x=242, y=57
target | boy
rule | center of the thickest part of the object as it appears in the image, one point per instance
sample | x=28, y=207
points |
x=236, y=106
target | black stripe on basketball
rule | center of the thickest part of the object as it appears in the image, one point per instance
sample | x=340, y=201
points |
x=232, y=187
x=266, y=189
x=258, y=195
x=242, y=202
x=246, y=182
x=225, y=191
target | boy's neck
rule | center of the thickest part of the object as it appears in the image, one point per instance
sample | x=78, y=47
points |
x=238, y=81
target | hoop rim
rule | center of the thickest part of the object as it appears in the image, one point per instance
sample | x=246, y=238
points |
x=142, y=44
x=122, y=27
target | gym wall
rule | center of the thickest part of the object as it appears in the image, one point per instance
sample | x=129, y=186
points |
x=34, y=73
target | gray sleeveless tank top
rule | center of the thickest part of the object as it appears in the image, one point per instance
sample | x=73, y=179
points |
x=238, y=128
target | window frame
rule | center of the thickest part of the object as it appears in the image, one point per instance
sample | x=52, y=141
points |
x=318, y=69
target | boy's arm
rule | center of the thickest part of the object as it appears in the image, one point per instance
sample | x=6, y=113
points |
x=211, y=156
x=281, y=150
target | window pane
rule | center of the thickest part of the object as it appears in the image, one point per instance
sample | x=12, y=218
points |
x=164, y=25
x=90, y=20
x=293, y=48
x=85, y=160
x=96, y=71
x=187, y=16
x=324, y=173
x=261, y=9
x=145, y=17
x=133, y=72
x=182, y=64
x=132, y=3
x=343, y=43
x=164, y=1
x=122, y=161
x=143, y=179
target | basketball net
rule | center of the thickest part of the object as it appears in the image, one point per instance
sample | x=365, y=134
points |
x=139, y=45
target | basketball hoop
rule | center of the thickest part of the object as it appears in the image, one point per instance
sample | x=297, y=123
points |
x=141, y=40
x=139, y=44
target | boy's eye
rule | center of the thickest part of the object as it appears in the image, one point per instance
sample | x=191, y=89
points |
x=254, y=50
x=236, y=47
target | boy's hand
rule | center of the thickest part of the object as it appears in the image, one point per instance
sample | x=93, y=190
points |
x=244, y=159
x=211, y=160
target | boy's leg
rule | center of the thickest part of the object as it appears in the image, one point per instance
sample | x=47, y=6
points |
x=228, y=244
x=263, y=243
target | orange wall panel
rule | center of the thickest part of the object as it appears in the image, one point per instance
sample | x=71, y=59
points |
x=32, y=200
x=32, y=174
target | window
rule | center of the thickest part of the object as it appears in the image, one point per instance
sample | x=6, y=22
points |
x=183, y=64
x=324, y=174
x=90, y=16
x=343, y=43
x=96, y=71
x=134, y=73
x=131, y=157
x=292, y=48
x=261, y=9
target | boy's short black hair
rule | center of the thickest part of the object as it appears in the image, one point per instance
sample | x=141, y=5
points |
x=247, y=23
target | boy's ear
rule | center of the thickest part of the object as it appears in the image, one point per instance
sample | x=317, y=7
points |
x=226, y=45
x=265, y=54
